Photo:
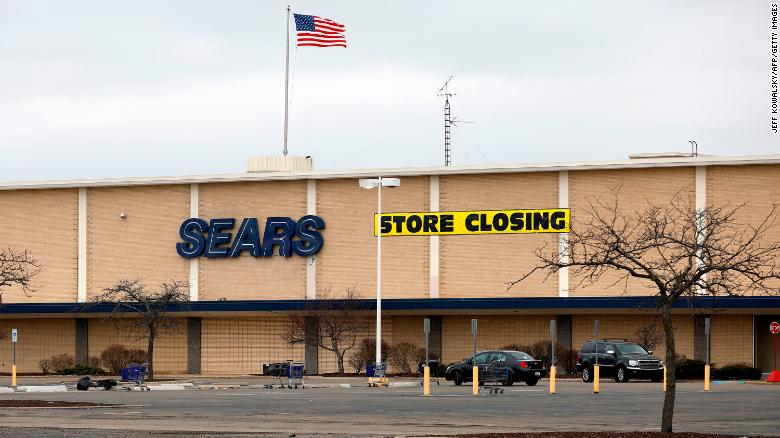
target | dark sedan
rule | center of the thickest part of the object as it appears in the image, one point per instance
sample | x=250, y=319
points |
x=521, y=366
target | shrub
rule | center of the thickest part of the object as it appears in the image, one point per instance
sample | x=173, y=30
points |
x=517, y=347
x=366, y=354
x=45, y=365
x=61, y=361
x=80, y=370
x=93, y=362
x=649, y=337
x=565, y=358
x=737, y=371
x=402, y=355
x=689, y=369
x=136, y=355
x=116, y=357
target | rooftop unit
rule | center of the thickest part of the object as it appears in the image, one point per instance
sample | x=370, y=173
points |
x=279, y=163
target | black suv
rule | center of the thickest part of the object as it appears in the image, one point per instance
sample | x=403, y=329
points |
x=619, y=358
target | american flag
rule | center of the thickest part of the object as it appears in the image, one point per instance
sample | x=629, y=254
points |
x=319, y=32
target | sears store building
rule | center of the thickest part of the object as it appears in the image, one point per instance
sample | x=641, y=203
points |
x=88, y=234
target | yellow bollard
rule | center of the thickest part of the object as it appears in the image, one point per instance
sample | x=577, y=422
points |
x=664, y=379
x=475, y=381
x=552, y=380
x=707, y=378
x=596, y=379
x=13, y=375
x=427, y=381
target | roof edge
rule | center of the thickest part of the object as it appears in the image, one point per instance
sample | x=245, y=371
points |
x=399, y=172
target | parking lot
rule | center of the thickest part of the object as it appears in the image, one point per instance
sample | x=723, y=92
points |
x=636, y=406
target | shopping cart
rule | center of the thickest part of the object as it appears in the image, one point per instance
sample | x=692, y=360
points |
x=493, y=374
x=433, y=364
x=376, y=374
x=136, y=374
x=295, y=375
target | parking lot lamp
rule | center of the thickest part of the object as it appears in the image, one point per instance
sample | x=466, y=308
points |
x=378, y=183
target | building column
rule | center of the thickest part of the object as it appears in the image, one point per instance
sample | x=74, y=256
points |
x=311, y=262
x=563, y=334
x=433, y=241
x=311, y=349
x=82, y=341
x=81, y=264
x=563, y=329
x=701, y=205
x=194, y=280
x=563, y=238
x=699, y=338
x=193, y=345
x=435, y=337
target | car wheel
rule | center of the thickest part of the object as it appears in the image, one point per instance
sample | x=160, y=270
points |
x=458, y=378
x=532, y=381
x=621, y=375
x=587, y=374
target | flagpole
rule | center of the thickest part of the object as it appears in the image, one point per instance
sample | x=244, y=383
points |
x=286, y=82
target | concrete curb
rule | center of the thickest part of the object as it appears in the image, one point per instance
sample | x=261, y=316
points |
x=403, y=384
x=329, y=385
x=42, y=388
x=6, y=390
x=167, y=387
x=218, y=386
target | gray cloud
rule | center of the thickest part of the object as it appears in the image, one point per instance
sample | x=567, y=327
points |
x=141, y=88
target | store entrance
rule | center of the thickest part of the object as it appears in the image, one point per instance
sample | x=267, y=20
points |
x=764, y=341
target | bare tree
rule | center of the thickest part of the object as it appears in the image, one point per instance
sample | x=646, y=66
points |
x=149, y=311
x=17, y=268
x=677, y=251
x=649, y=336
x=330, y=324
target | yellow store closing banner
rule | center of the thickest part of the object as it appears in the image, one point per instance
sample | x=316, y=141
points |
x=443, y=223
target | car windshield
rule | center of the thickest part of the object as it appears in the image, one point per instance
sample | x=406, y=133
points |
x=519, y=355
x=630, y=349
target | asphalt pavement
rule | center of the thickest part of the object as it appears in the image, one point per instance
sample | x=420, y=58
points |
x=746, y=409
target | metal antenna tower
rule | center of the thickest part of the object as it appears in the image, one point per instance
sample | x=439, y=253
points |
x=449, y=121
x=443, y=91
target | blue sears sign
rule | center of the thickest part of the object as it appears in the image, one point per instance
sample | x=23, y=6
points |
x=214, y=239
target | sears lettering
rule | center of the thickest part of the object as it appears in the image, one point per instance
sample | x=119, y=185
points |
x=281, y=235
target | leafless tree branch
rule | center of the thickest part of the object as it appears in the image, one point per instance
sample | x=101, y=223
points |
x=679, y=252
x=18, y=268
x=146, y=313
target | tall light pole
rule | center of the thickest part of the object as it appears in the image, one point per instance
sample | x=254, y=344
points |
x=378, y=183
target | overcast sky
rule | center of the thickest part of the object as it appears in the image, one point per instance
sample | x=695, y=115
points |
x=134, y=88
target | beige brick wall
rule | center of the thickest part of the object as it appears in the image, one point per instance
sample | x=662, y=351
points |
x=348, y=257
x=37, y=339
x=493, y=332
x=141, y=245
x=481, y=266
x=408, y=329
x=625, y=326
x=637, y=189
x=754, y=189
x=242, y=345
x=247, y=277
x=731, y=339
x=170, y=346
x=44, y=222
